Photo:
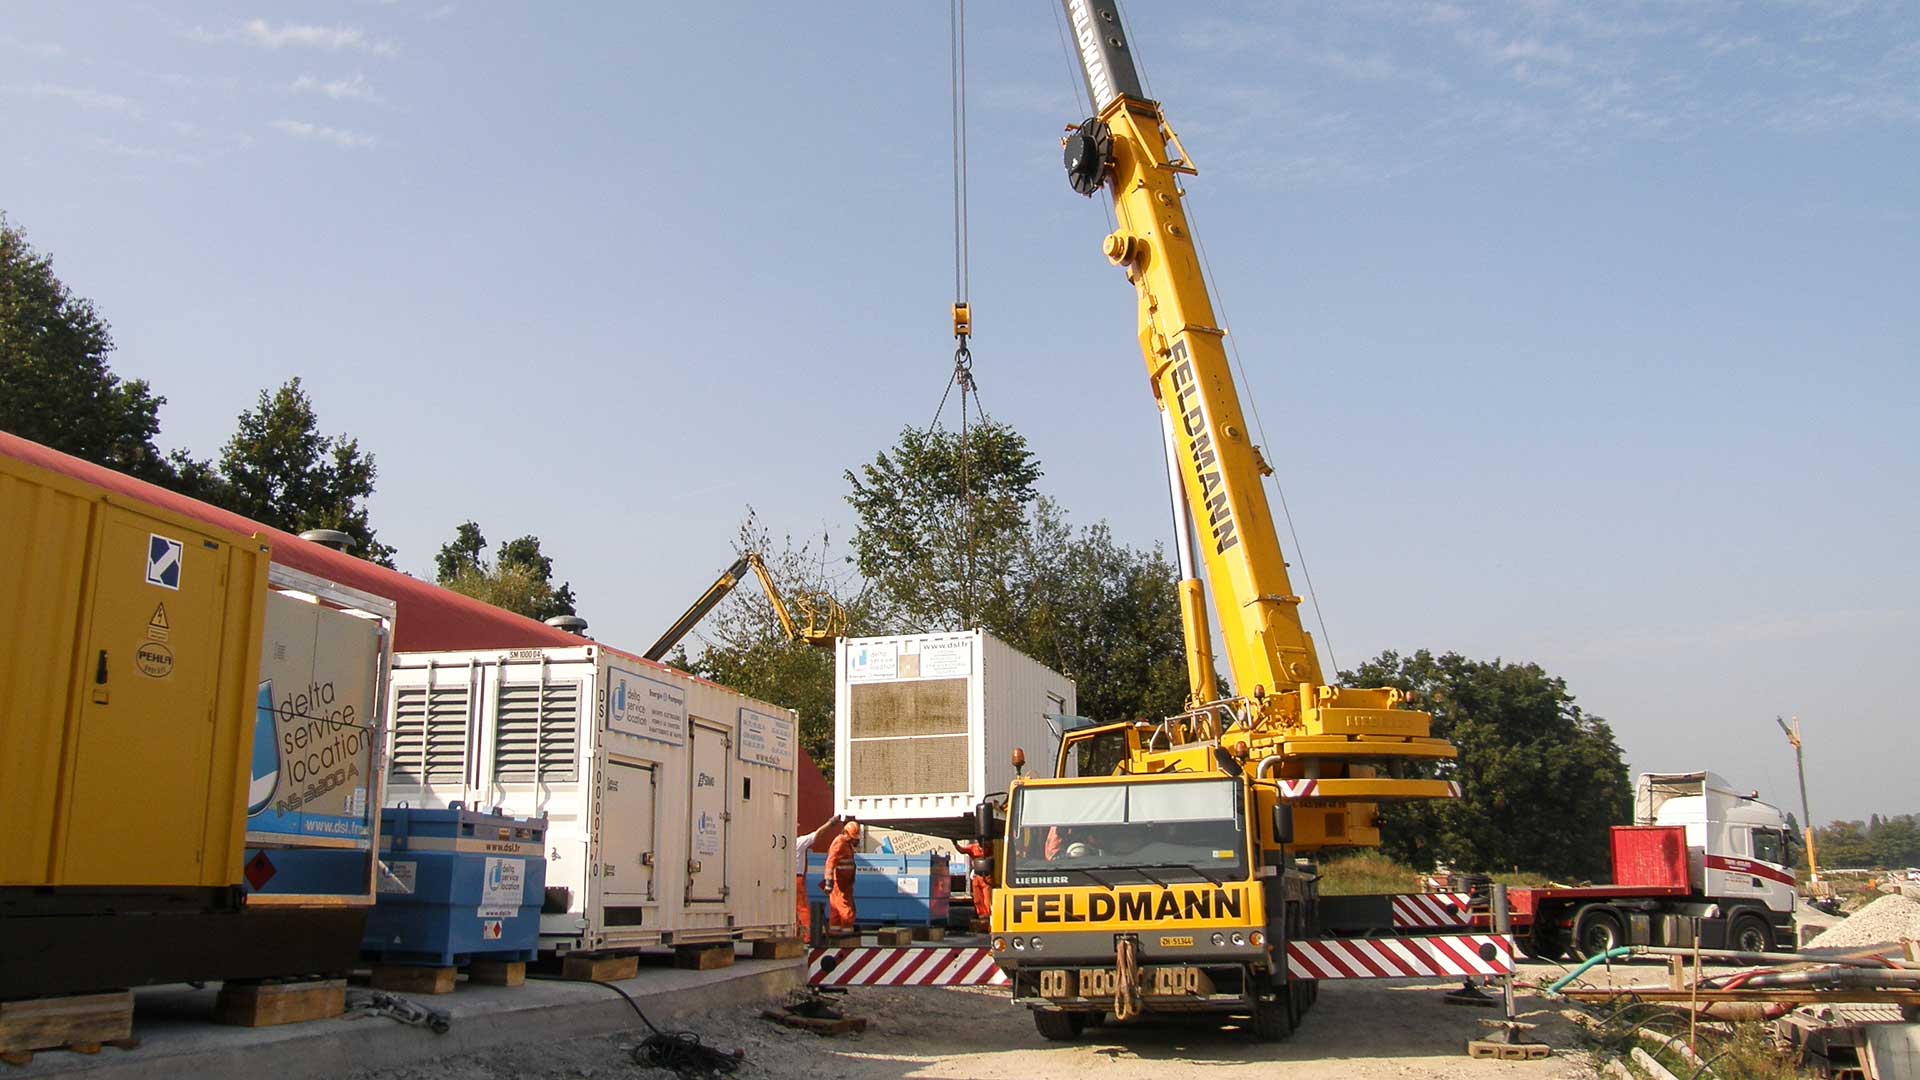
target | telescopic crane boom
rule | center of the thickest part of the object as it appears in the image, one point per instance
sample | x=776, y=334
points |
x=1290, y=718
x=821, y=619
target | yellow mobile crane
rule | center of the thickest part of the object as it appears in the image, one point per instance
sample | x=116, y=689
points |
x=822, y=621
x=1156, y=869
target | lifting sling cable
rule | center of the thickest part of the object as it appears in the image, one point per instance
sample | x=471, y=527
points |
x=962, y=374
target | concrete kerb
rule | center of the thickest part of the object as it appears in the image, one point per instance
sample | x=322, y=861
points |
x=178, y=1038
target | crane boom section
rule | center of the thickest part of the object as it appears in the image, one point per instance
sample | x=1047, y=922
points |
x=1217, y=470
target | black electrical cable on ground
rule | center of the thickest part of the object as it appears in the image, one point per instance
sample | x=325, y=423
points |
x=680, y=1051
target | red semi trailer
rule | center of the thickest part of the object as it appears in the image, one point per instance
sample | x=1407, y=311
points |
x=1701, y=862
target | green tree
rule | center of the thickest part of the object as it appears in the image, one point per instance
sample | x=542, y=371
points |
x=278, y=469
x=55, y=385
x=1843, y=844
x=741, y=644
x=1542, y=780
x=519, y=579
x=1073, y=598
x=1098, y=610
x=1896, y=843
x=940, y=525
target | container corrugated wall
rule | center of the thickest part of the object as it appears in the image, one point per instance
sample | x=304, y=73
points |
x=127, y=674
x=919, y=742
x=1019, y=693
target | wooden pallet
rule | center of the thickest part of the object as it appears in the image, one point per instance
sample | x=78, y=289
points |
x=82, y=1023
x=413, y=978
x=266, y=1004
x=703, y=957
x=893, y=937
x=779, y=948
x=929, y=933
x=818, y=1025
x=599, y=967
x=498, y=972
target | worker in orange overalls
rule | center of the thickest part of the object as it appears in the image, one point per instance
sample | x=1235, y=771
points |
x=981, y=885
x=811, y=911
x=839, y=877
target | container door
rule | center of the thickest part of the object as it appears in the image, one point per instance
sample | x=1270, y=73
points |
x=146, y=721
x=626, y=833
x=707, y=817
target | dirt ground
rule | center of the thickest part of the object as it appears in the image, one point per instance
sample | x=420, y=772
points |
x=1355, y=1029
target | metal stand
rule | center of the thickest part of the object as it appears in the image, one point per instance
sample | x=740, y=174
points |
x=1509, y=1041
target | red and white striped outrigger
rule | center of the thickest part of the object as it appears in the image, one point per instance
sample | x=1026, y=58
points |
x=1438, y=956
x=907, y=966
x=1430, y=911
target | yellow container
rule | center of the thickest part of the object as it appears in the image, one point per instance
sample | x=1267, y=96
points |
x=129, y=652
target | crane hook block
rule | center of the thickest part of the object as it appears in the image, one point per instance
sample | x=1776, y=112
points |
x=962, y=320
x=1088, y=155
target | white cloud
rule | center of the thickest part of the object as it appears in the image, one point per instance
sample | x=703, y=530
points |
x=266, y=35
x=79, y=95
x=46, y=50
x=348, y=140
x=354, y=87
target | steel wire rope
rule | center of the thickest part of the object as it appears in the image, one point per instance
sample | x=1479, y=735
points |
x=957, y=57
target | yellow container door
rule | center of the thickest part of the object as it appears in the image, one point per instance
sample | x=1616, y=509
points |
x=140, y=792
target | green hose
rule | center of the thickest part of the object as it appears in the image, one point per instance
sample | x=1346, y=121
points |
x=1622, y=950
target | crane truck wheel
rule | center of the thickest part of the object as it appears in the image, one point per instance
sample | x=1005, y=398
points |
x=1059, y=1026
x=1750, y=933
x=1595, y=930
x=1272, y=1019
x=1544, y=943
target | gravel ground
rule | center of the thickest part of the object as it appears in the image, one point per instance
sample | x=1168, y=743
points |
x=1364, y=1029
x=1886, y=921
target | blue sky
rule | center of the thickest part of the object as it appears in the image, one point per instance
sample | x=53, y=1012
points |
x=1583, y=334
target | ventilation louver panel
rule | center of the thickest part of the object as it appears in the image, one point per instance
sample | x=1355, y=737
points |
x=429, y=733
x=537, y=732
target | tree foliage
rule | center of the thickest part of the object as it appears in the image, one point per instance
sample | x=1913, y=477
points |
x=55, y=385
x=743, y=646
x=1103, y=612
x=1073, y=598
x=1887, y=842
x=519, y=578
x=941, y=525
x=1542, y=780
x=278, y=469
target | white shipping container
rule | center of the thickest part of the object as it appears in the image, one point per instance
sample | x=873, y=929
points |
x=669, y=799
x=925, y=725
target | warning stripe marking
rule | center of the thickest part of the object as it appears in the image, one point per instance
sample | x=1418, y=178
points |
x=1418, y=911
x=880, y=966
x=1400, y=957
x=1298, y=789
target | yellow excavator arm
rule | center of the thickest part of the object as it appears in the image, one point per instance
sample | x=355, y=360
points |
x=822, y=620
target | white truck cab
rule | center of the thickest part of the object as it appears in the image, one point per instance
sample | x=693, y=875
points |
x=1736, y=844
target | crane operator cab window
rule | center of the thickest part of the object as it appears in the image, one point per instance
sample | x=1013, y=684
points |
x=1129, y=833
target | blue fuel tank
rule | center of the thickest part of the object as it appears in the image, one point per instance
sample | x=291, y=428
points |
x=456, y=884
x=892, y=890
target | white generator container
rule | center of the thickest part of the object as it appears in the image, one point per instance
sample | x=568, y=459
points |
x=925, y=725
x=669, y=799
